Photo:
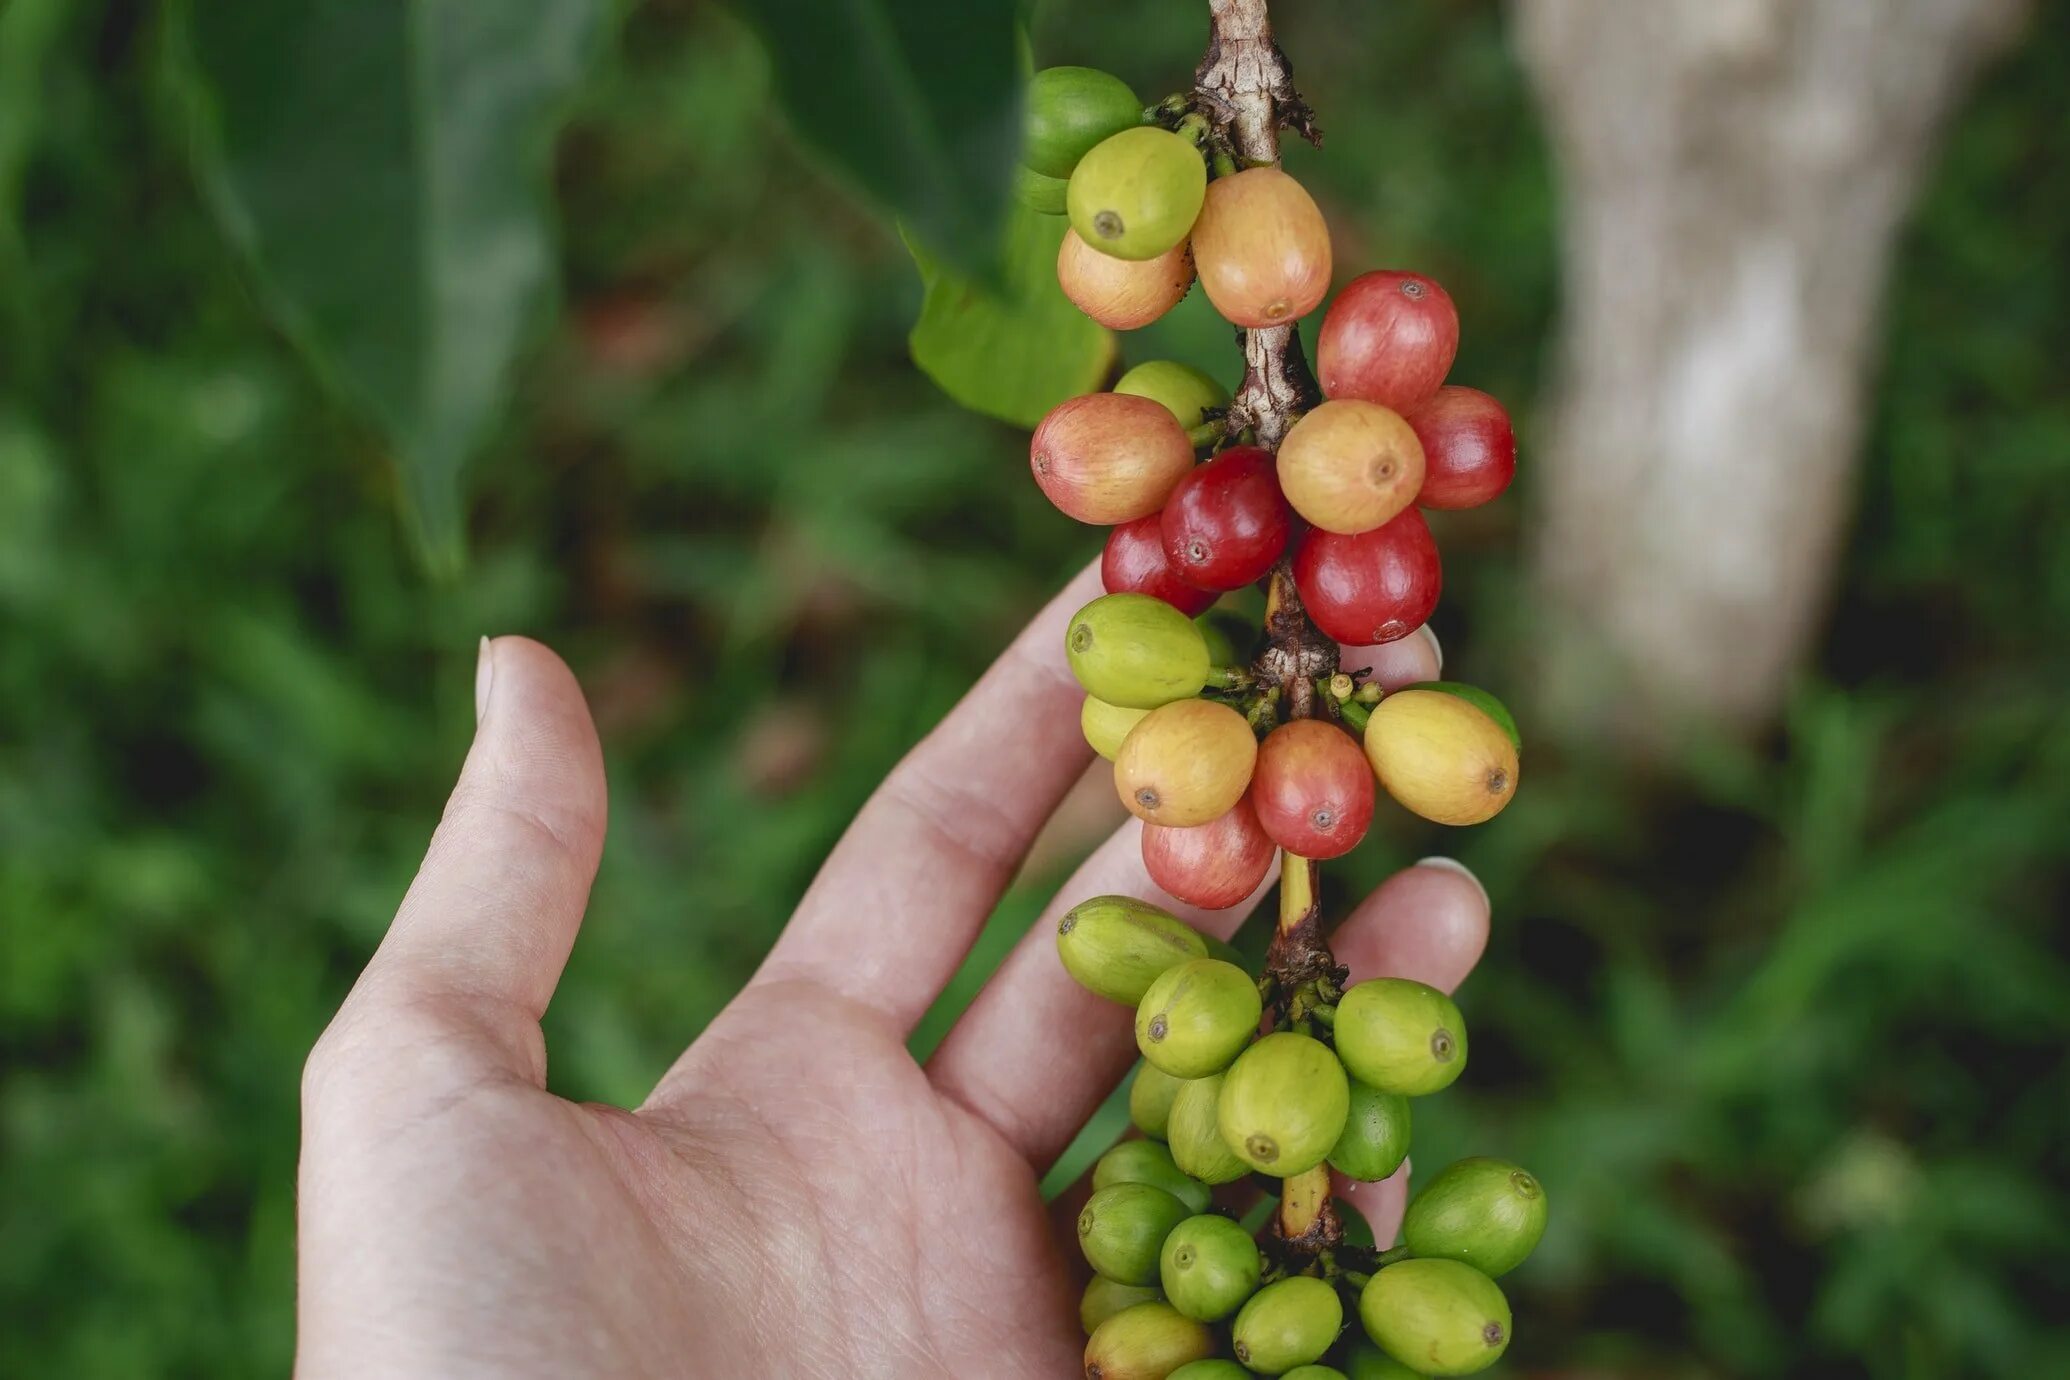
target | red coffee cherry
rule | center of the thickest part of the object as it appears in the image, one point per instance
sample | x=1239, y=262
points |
x=1134, y=563
x=1373, y=587
x=1469, y=449
x=1389, y=337
x=1225, y=522
x=1212, y=865
x=1313, y=789
x=1109, y=457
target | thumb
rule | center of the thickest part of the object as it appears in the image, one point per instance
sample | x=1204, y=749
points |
x=494, y=910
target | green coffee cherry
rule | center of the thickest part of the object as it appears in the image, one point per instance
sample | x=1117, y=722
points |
x=1400, y=1036
x=1150, y=1096
x=1070, y=109
x=1283, y=1104
x=1147, y=1342
x=1135, y=195
x=1486, y=1212
x=1209, y=1266
x=1147, y=1162
x=1437, y=1317
x=1288, y=1323
x=1314, y=1373
x=1195, y=1135
x=1197, y=1017
x=1106, y=726
x=1185, y=391
x=1136, y=652
x=1042, y=195
x=1369, y=1362
x=1210, y=1370
x=1376, y=1135
x=1475, y=696
x=1123, y=1226
x=1104, y=1297
x=1117, y=946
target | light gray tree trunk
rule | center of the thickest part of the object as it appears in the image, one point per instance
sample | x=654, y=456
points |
x=1734, y=173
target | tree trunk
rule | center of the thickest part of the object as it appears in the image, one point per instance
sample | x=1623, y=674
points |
x=1734, y=174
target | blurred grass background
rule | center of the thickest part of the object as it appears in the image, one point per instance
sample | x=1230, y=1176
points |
x=1782, y=1026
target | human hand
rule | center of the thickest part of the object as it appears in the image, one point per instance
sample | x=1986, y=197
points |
x=797, y=1196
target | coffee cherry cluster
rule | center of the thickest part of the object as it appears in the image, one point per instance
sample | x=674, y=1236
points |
x=1177, y=1279
x=1272, y=1083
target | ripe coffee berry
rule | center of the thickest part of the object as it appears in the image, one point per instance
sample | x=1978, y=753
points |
x=1469, y=448
x=1261, y=248
x=1134, y=563
x=1212, y=865
x=1313, y=789
x=1225, y=522
x=1349, y=466
x=1389, y=338
x=1373, y=587
x=1122, y=294
x=1109, y=457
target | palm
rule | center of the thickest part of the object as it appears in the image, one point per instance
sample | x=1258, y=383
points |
x=798, y=1196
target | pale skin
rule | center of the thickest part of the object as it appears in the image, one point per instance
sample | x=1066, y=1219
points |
x=797, y=1197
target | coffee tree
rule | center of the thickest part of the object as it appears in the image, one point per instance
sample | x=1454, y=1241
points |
x=1310, y=484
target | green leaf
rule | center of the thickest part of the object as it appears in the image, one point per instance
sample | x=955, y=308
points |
x=1015, y=350
x=915, y=103
x=384, y=163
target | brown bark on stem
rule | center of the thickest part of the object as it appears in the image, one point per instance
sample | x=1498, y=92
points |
x=1246, y=88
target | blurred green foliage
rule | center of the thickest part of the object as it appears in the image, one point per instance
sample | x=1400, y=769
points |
x=1780, y=1027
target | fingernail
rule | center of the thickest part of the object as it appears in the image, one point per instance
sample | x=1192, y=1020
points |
x=1436, y=648
x=484, y=680
x=1454, y=865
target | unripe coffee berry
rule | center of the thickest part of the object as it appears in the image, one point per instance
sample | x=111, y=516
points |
x=1314, y=1373
x=1208, y=1267
x=1400, y=1036
x=1042, y=195
x=1117, y=946
x=1136, y=652
x=1441, y=757
x=1217, y=864
x=1183, y=389
x=1212, y=1369
x=1148, y=1162
x=1261, y=248
x=1147, y=1342
x=1104, y=1297
x=1288, y=1323
x=1283, y=1104
x=1388, y=338
x=1120, y=294
x=1105, y=725
x=1122, y=1227
x=1480, y=699
x=1136, y=194
x=1376, y=1135
x=1108, y=457
x=1194, y=1133
x=1349, y=466
x=1067, y=111
x=1488, y=1213
x=1437, y=1317
x=1150, y=1096
x=1197, y=1017
x=1186, y=763
x=1368, y=1362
